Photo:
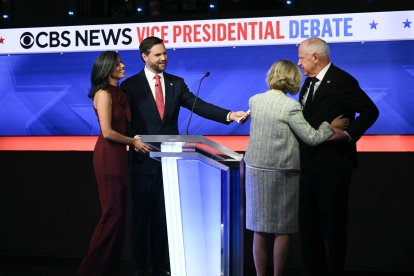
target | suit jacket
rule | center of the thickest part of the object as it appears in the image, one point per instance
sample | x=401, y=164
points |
x=276, y=125
x=338, y=93
x=145, y=116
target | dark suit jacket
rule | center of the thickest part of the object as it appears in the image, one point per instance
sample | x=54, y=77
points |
x=338, y=93
x=145, y=117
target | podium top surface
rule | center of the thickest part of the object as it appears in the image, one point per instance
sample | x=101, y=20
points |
x=196, y=143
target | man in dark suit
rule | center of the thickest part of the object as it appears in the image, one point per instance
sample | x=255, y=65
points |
x=149, y=233
x=326, y=170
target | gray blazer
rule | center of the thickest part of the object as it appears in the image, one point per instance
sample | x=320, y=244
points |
x=276, y=124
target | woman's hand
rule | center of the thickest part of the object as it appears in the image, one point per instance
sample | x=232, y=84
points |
x=340, y=122
x=141, y=147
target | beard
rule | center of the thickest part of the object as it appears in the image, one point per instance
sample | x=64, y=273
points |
x=158, y=67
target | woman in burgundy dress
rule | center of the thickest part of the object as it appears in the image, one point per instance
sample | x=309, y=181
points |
x=110, y=164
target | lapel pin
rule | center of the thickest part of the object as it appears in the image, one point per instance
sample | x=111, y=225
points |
x=328, y=81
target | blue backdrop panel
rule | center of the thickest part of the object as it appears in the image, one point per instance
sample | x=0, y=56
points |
x=46, y=94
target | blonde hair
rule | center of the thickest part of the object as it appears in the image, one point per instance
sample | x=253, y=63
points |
x=284, y=75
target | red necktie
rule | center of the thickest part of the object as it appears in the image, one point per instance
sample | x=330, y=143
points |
x=159, y=96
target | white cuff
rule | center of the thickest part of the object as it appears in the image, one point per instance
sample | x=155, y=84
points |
x=228, y=116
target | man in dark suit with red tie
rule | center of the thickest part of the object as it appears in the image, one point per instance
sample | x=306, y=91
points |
x=326, y=170
x=149, y=233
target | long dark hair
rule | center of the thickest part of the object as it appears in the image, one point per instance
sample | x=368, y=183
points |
x=103, y=67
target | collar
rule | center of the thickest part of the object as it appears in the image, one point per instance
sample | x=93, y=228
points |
x=150, y=75
x=322, y=73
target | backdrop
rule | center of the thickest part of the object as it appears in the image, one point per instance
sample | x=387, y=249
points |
x=46, y=94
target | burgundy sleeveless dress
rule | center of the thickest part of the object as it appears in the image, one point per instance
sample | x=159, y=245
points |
x=111, y=170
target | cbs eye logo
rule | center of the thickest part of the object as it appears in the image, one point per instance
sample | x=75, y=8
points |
x=27, y=40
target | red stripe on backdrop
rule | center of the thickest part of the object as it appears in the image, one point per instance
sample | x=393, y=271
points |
x=368, y=143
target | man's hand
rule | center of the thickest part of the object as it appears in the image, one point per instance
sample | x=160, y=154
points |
x=339, y=135
x=239, y=116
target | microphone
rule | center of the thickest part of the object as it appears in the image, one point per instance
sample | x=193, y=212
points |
x=196, y=97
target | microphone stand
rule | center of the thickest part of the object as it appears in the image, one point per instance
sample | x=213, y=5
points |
x=196, y=97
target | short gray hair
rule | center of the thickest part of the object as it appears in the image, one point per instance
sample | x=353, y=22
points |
x=317, y=45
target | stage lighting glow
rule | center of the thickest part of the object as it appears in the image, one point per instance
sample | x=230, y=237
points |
x=140, y=10
x=289, y=3
x=71, y=13
x=5, y=16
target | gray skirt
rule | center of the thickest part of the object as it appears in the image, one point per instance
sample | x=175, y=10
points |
x=272, y=200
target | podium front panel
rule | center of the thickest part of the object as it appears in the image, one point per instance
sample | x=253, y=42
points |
x=202, y=185
x=203, y=227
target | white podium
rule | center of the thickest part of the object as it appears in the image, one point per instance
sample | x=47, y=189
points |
x=204, y=204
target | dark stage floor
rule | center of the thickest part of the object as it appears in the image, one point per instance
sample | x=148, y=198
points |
x=70, y=270
x=47, y=266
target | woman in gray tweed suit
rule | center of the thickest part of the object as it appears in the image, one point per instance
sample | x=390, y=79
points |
x=272, y=162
